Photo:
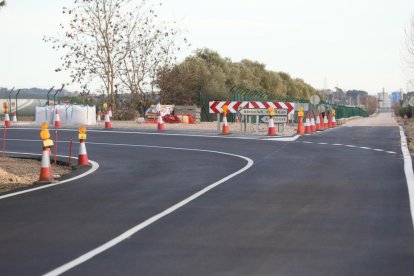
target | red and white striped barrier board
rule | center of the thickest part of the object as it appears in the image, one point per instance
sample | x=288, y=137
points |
x=233, y=107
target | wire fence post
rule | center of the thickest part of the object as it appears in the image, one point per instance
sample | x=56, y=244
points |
x=70, y=151
x=4, y=141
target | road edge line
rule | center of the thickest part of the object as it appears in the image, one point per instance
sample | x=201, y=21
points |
x=95, y=166
x=408, y=169
x=128, y=233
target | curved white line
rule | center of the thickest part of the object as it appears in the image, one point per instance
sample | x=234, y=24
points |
x=94, y=164
x=127, y=234
x=408, y=169
x=212, y=134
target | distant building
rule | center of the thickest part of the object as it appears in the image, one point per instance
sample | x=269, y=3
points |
x=384, y=102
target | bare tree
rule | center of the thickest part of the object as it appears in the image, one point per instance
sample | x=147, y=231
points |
x=151, y=46
x=115, y=41
x=93, y=42
x=409, y=43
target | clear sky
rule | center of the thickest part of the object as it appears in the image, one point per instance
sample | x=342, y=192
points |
x=355, y=44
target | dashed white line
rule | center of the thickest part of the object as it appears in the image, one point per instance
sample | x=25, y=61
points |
x=349, y=146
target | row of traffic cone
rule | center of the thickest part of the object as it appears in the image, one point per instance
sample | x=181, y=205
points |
x=271, y=129
x=320, y=124
x=46, y=175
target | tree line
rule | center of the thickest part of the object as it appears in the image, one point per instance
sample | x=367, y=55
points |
x=207, y=74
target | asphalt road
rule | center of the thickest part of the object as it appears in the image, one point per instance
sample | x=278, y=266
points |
x=335, y=203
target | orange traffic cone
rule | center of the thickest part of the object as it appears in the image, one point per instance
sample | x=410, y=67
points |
x=301, y=127
x=7, y=122
x=14, y=117
x=98, y=117
x=160, y=126
x=237, y=119
x=226, y=129
x=107, y=121
x=330, y=120
x=83, y=155
x=271, y=130
x=325, y=122
x=57, y=119
x=46, y=169
x=322, y=121
x=312, y=124
x=318, y=123
x=333, y=121
x=307, y=125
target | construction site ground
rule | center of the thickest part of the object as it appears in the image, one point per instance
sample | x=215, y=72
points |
x=16, y=173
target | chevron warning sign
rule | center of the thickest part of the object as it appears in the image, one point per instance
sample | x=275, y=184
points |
x=234, y=107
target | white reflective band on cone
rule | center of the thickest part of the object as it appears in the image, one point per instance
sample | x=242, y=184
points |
x=82, y=148
x=45, y=159
x=271, y=122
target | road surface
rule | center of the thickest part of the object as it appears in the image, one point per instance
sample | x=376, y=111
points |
x=334, y=203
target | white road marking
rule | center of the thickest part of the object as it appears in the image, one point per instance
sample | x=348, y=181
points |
x=216, y=135
x=283, y=139
x=408, y=168
x=95, y=166
x=350, y=146
x=127, y=234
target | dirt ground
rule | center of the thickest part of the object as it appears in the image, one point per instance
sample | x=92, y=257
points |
x=409, y=132
x=19, y=173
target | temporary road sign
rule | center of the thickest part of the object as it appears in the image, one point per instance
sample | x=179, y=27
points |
x=280, y=120
x=262, y=111
x=276, y=120
x=314, y=99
